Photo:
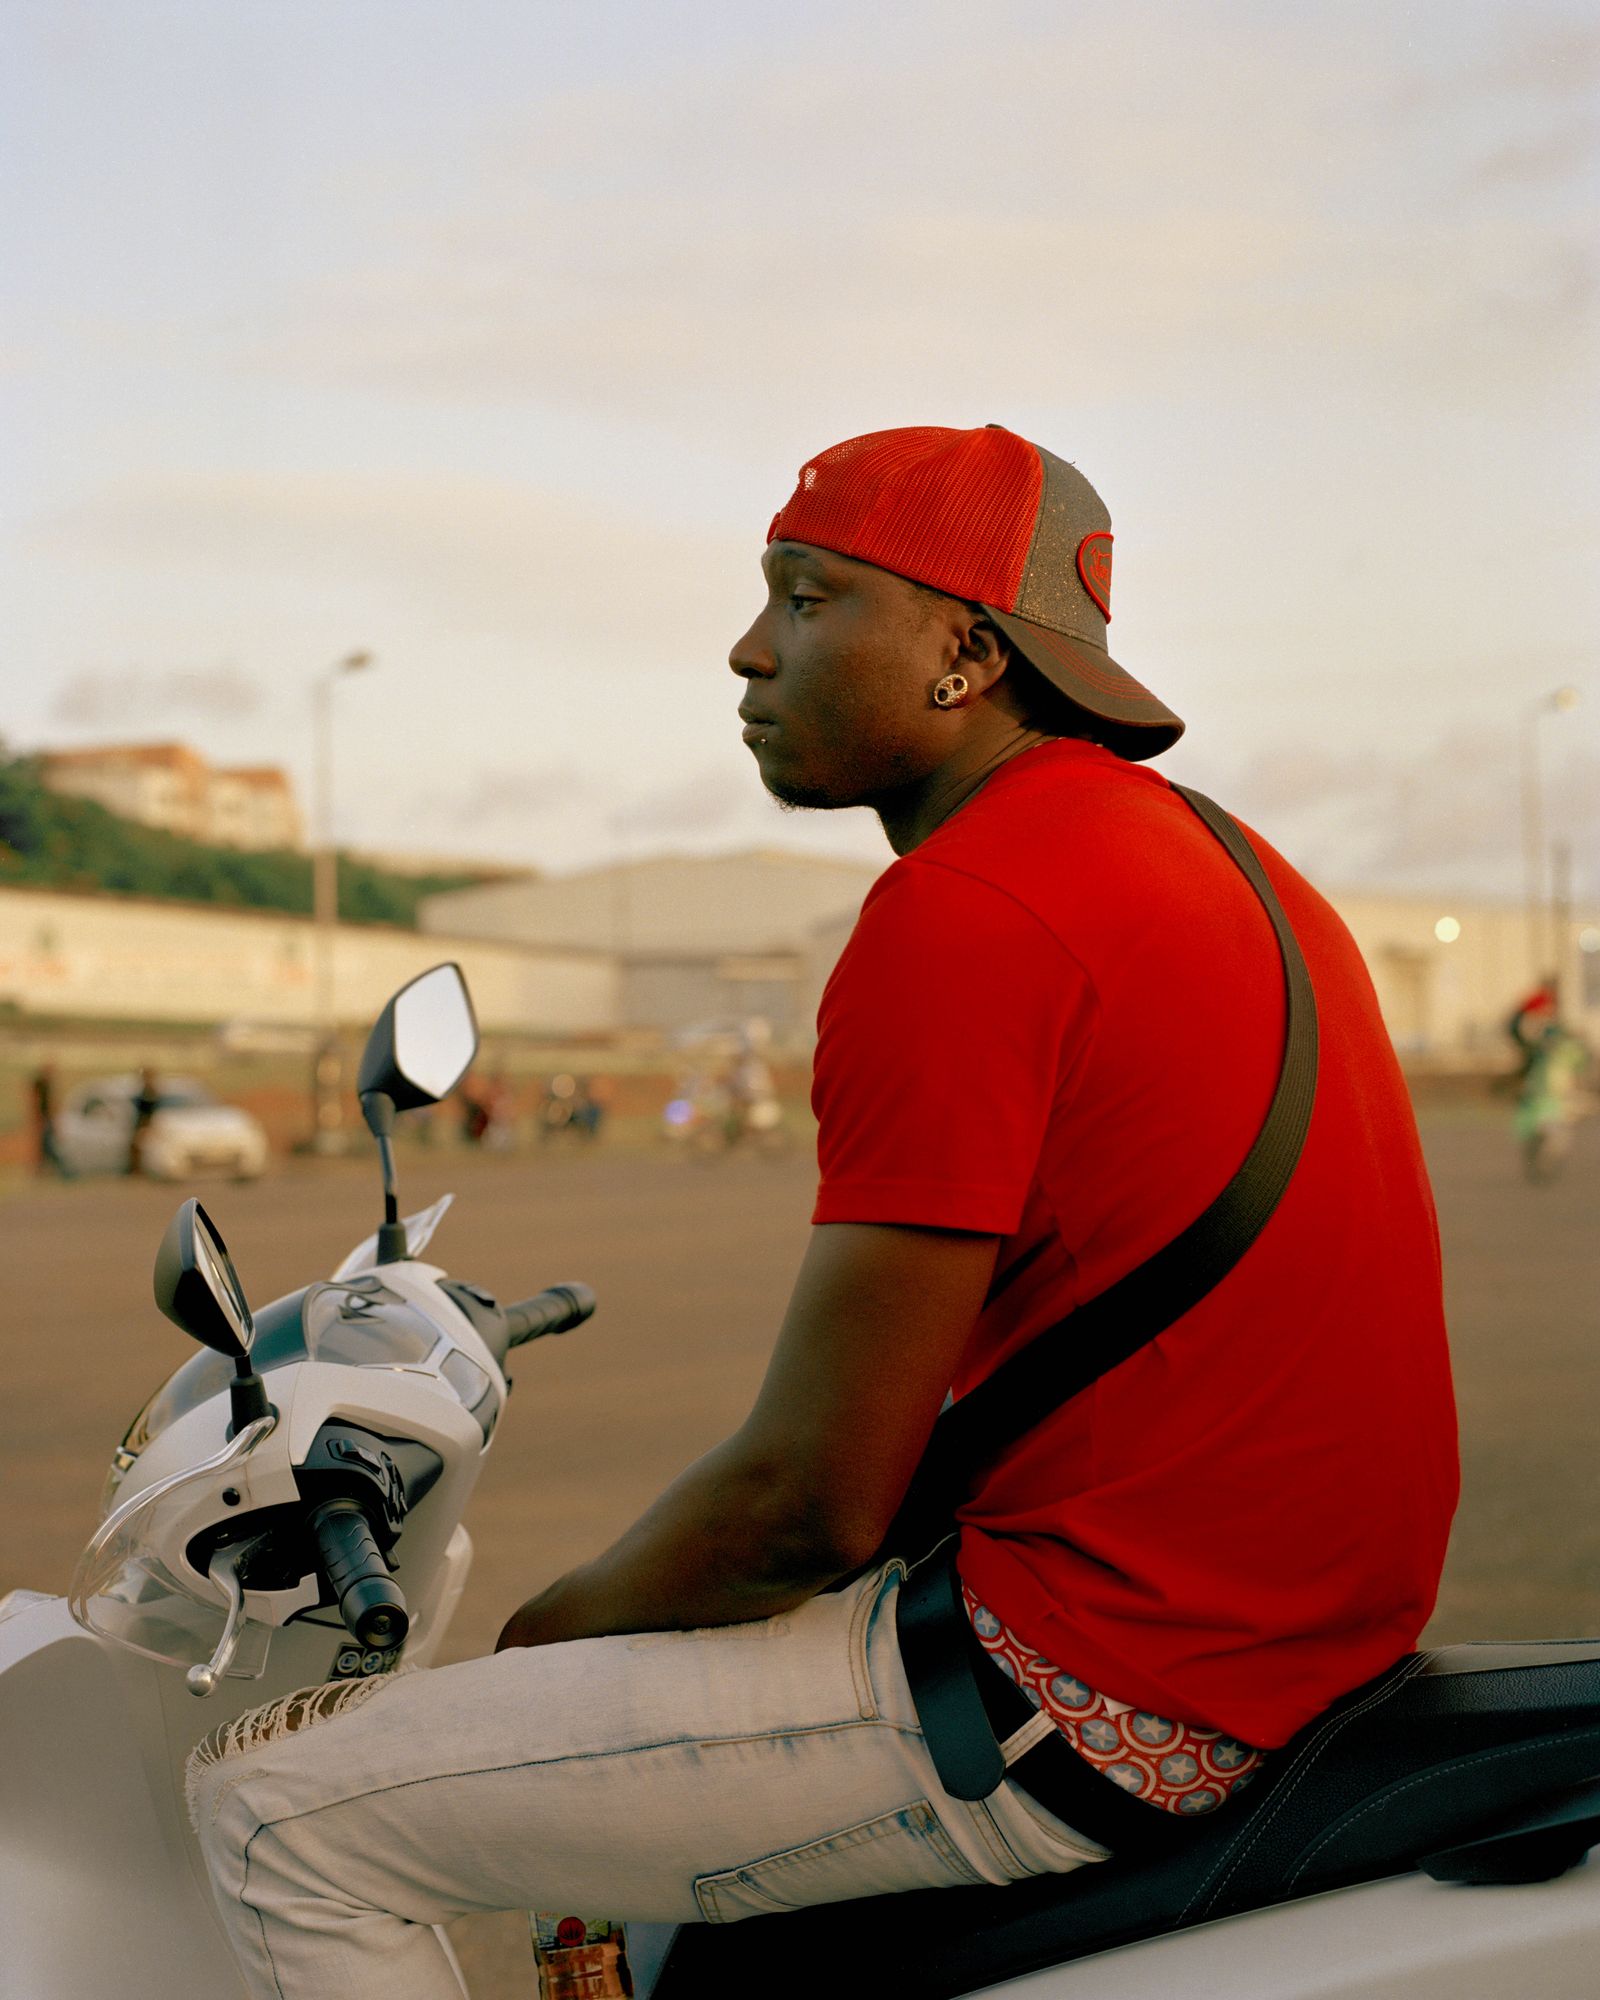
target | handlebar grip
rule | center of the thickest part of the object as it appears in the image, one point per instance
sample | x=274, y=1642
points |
x=557, y=1309
x=371, y=1603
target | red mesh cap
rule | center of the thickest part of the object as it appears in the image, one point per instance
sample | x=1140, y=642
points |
x=991, y=518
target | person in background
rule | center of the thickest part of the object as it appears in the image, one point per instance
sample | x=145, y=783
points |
x=587, y=1112
x=47, y=1154
x=556, y=1106
x=473, y=1100
x=1532, y=1015
x=602, y=1092
x=1550, y=1101
x=757, y=1113
x=146, y=1102
x=500, y=1109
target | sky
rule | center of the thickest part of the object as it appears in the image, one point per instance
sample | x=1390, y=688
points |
x=488, y=336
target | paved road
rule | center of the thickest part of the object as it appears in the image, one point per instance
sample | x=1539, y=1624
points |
x=692, y=1264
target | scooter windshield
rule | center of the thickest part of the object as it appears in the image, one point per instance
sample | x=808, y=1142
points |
x=419, y=1230
x=125, y=1591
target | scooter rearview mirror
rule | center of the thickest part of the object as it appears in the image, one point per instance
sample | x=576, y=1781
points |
x=197, y=1287
x=423, y=1042
x=420, y=1048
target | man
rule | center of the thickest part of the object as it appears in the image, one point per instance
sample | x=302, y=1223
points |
x=146, y=1102
x=1048, y=1044
x=1531, y=1016
x=47, y=1154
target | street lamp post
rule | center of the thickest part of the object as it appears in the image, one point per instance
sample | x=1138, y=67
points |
x=1535, y=872
x=325, y=904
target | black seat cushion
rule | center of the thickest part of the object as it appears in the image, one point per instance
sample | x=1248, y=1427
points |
x=1441, y=1747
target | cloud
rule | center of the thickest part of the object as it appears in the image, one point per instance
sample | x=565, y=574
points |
x=710, y=802
x=1535, y=89
x=1554, y=155
x=1531, y=61
x=719, y=248
x=1449, y=812
x=141, y=698
x=471, y=556
x=1284, y=779
x=1552, y=59
x=501, y=800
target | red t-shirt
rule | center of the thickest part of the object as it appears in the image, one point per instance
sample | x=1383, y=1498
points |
x=1060, y=1021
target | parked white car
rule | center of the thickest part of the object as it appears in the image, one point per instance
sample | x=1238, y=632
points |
x=189, y=1135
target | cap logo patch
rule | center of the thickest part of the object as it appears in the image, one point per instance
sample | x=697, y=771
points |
x=1094, y=566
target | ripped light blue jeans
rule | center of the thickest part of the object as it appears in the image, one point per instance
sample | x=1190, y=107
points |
x=664, y=1777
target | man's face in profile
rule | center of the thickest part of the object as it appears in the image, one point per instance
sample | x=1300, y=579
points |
x=839, y=666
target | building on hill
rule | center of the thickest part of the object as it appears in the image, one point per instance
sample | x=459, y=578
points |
x=252, y=806
x=697, y=938
x=168, y=785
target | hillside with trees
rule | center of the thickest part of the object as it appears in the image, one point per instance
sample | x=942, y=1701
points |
x=50, y=841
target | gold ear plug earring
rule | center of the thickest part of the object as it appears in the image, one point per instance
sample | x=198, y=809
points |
x=951, y=689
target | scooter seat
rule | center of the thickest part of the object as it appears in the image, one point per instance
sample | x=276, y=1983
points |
x=1440, y=1751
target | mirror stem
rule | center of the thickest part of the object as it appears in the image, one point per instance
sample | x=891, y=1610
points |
x=392, y=1245
x=377, y=1107
x=391, y=1200
x=247, y=1394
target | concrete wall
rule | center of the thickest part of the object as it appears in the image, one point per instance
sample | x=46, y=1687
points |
x=113, y=958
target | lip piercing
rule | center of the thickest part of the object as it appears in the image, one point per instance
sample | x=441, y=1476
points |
x=951, y=689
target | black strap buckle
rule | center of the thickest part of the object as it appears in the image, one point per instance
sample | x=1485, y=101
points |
x=936, y=1648
x=968, y=1706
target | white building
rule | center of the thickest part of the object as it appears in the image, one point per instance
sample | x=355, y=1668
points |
x=171, y=786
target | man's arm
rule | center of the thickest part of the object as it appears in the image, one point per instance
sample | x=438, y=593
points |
x=804, y=1490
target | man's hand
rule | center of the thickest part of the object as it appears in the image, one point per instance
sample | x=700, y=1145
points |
x=805, y=1489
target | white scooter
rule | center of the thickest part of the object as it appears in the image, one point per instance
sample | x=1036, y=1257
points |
x=1424, y=1840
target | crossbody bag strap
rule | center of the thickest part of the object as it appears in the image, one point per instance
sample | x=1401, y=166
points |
x=1067, y=1357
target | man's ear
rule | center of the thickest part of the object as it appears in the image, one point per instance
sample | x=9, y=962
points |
x=983, y=652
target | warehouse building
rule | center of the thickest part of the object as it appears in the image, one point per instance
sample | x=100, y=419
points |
x=696, y=939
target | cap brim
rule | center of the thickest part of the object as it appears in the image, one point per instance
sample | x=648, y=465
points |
x=1139, y=725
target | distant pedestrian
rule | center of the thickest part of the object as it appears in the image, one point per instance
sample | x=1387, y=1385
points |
x=1550, y=1101
x=588, y=1110
x=1532, y=1015
x=500, y=1110
x=556, y=1106
x=47, y=1154
x=474, y=1111
x=146, y=1103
